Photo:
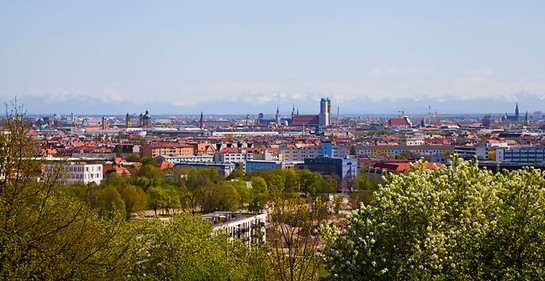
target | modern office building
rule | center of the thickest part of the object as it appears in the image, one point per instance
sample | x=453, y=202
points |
x=526, y=155
x=346, y=169
x=269, y=165
x=326, y=149
x=385, y=150
x=469, y=152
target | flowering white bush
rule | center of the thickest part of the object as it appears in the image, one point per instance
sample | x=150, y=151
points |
x=455, y=223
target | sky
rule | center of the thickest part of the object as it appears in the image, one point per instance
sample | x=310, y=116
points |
x=237, y=57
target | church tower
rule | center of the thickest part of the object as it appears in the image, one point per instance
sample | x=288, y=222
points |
x=104, y=123
x=517, y=112
x=127, y=120
x=201, y=121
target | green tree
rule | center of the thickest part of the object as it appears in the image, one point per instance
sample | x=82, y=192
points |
x=158, y=198
x=292, y=238
x=196, y=182
x=133, y=157
x=447, y=224
x=150, y=172
x=291, y=182
x=328, y=185
x=338, y=204
x=219, y=197
x=275, y=183
x=172, y=202
x=118, y=151
x=110, y=201
x=45, y=232
x=352, y=150
x=187, y=248
x=310, y=182
x=237, y=173
x=259, y=194
x=364, y=183
x=360, y=197
x=134, y=197
x=148, y=161
x=243, y=191
x=112, y=179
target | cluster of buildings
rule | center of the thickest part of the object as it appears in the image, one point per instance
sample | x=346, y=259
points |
x=319, y=142
x=343, y=148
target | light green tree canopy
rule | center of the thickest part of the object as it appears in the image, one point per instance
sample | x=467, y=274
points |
x=186, y=248
x=47, y=233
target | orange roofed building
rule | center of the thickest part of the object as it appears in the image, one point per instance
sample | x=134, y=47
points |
x=164, y=149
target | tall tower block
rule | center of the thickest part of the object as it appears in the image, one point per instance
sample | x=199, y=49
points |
x=325, y=112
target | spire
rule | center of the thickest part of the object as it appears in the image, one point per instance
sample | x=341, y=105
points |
x=201, y=121
x=517, y=112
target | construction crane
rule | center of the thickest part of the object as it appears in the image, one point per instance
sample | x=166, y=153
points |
x=402, y=112
x=440, y=118
x=429, y=114
x=232, y=128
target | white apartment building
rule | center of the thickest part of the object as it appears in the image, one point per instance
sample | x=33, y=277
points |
x=300, y=154
x=199, y=158
x=248, y=227
x=234, y=157
x=415, y=141
x=76, y=172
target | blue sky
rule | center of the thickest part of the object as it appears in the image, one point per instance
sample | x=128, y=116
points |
x=252, y=56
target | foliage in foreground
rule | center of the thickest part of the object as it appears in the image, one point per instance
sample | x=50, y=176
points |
x=48, y=232
x=44, y=232
x=458, y=223
x=186, y=248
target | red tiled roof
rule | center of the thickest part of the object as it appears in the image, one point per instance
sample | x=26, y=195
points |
x=305, y=120
x=117, y=169
x=164, y=165
x=229, y=150
x=397, y=122
x=403, y=166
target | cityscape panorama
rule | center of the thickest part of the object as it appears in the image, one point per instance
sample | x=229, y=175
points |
x=186, y=140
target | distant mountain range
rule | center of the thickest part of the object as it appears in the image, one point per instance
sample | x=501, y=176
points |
x=88, y=105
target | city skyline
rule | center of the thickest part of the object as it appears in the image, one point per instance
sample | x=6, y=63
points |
x=179, y=57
